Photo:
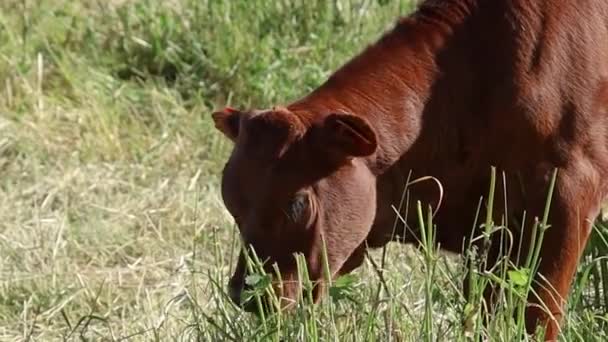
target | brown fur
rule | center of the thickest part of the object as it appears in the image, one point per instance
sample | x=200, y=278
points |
x=454, y=88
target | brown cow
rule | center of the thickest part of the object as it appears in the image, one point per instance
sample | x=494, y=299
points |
x=452, y=89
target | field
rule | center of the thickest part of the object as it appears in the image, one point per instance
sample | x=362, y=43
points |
x=112, y=226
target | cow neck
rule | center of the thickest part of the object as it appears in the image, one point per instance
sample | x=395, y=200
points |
x=389, y=83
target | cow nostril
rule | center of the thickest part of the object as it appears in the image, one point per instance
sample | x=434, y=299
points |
x=234, y=292
x=238, y=293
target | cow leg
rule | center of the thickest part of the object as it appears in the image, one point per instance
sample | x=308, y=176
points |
x=574, y=207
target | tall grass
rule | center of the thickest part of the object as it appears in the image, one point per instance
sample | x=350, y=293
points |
x=111, y=222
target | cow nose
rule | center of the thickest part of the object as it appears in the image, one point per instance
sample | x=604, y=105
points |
x=260, y=304
x=235, y=292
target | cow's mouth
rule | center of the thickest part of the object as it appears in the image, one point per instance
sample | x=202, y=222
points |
x=242, y=295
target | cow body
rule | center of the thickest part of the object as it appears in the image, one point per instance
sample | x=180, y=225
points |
x=453, y=89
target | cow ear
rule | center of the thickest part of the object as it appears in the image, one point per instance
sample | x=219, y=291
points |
x=349, y=135
x=228, y=121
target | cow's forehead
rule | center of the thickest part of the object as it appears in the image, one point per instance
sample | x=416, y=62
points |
x=267, y=135
x=259, y=172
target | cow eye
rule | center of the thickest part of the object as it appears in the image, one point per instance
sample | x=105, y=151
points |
x=297, y=206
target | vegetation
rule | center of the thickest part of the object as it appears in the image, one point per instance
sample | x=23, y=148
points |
x=111, y=221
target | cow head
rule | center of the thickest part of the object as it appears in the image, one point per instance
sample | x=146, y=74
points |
x=294, y=180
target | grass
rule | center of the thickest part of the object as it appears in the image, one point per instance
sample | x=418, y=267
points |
x=111, y=221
